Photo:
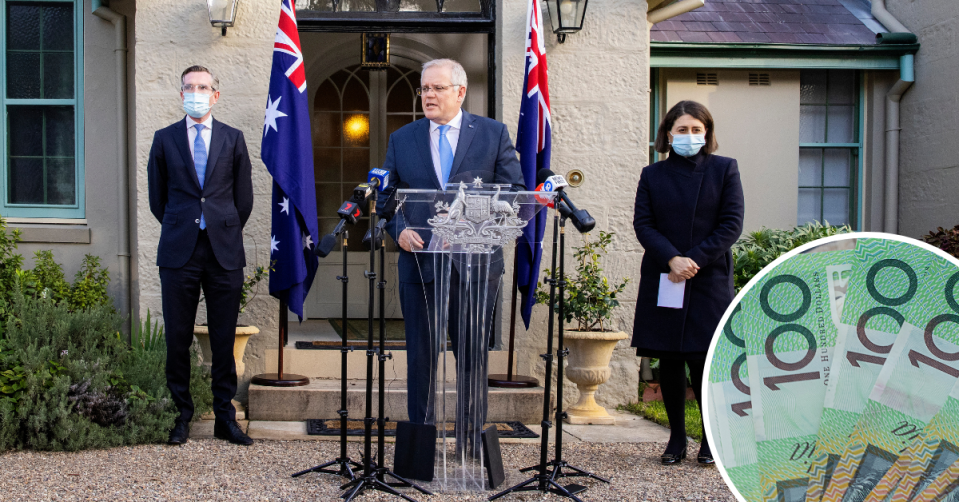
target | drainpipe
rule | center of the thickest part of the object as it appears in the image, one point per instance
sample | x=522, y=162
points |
x=672, y=10
x=906, y=78
x=883, y=16
x=101, y=10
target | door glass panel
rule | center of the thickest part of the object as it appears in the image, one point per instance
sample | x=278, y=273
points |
x=22, y=22
x=25, y=129
x=327, y=129
x=355, y=97
x=356, y=165
x=326, y=164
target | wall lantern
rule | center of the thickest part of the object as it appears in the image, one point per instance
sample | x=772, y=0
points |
x=222, y=13
x=566, y=16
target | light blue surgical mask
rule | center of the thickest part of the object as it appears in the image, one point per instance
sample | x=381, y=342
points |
x=196, y=104
x=688, y=145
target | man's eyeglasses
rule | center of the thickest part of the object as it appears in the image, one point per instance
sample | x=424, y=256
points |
x=199, y=88
x=438, y=89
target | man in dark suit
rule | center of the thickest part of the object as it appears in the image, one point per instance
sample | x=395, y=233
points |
x=448, y=145
x=201, y=191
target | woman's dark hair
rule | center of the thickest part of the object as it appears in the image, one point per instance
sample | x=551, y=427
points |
x=694, y=110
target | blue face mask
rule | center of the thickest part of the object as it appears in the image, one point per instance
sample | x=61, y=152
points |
x=196, y=104
x=688, y=145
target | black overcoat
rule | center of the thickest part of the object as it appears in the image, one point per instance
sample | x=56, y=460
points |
x=690, y=207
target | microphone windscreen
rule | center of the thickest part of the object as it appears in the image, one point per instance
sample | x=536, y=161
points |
x=542, y=174
x=327, y=243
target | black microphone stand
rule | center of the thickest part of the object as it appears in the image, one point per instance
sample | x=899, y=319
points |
x=545, y=479
x=344, y=463
x=373, y=474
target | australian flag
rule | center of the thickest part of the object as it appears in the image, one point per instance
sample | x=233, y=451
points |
x=533, y=145
x=287, y=151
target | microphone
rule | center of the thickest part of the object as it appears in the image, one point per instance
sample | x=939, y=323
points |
x=328, y=242
x=389, y=210
x=349, y=212
x=556, y=183
x=379, y=179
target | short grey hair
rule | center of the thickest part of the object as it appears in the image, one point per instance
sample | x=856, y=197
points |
x=457, y=73
x=201, y=69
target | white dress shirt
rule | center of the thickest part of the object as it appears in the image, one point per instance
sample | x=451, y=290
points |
x=452, y=135
x=207, y=134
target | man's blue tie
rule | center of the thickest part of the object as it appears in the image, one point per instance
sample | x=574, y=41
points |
x=446, y=155
x=199, y=160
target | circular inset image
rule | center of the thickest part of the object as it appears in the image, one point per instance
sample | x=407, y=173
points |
x=834, y=375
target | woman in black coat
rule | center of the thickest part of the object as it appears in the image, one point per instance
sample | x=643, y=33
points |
x=689, y=212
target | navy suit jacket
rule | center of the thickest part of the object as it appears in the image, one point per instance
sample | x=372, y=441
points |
x=484, y=150
x=176, y=199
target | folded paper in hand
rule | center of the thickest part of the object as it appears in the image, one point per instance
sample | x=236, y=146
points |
x=670, y=293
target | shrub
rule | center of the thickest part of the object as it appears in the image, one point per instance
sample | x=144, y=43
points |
x=50, y=281
x=590, y=299
x=758, y=249
x=90, y=285
x=946, y=240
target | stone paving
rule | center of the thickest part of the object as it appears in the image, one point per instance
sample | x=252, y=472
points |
x=210, y=469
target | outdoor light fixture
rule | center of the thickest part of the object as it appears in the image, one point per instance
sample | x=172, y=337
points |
x=222, y=13
x=566, y=16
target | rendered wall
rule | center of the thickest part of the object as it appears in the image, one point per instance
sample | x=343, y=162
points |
x=759, y=127
x=929, y=166
x=599, y=94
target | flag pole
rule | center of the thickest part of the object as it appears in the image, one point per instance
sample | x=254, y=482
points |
x=509, y=380
x=278, y=379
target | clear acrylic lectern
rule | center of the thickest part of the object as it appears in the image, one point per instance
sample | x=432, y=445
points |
x=464, y=231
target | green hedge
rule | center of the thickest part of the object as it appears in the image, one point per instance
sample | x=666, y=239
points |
x=68, y=379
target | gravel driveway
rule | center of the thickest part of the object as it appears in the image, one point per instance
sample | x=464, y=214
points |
x=215, y=470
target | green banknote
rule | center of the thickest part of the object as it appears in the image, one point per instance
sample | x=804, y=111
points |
x=867, y=330
x=930, y=455
x=944, y=488
x=790, y=336
x=921, y=369
x=730, y=406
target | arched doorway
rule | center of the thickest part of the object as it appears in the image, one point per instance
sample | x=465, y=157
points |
x=354, y=112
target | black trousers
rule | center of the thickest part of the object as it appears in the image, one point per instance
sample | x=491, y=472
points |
x=181, y=294
x=672, y=379
x=423, y=345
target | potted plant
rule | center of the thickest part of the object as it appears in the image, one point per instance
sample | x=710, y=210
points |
x=243, y=332
x=590, y=300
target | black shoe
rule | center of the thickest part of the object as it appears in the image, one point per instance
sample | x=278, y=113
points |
x=672, y=458
x=180, y=432
x=230, y=430
x=705, y=456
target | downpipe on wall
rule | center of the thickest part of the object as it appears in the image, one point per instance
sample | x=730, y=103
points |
x=893, y=98
x=123, y=189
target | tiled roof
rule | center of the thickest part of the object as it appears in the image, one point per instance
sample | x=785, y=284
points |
x=767, y=21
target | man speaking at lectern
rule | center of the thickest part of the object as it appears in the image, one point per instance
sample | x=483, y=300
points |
x=427, y=154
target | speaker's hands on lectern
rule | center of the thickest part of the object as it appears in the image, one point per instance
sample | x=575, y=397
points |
x=410, y=240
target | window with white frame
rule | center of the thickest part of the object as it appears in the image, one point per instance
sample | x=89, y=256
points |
x=830, y=147
x=41, y=47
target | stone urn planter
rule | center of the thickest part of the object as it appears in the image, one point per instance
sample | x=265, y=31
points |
x=243, y=334
x=588, y=367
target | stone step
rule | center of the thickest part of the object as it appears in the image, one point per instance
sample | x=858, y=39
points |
x=325, y=364
x=321, y=399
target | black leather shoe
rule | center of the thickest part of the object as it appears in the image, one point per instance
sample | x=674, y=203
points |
x=180, y=432
x=705, y=456
x=230, y=430
x=672, y=458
